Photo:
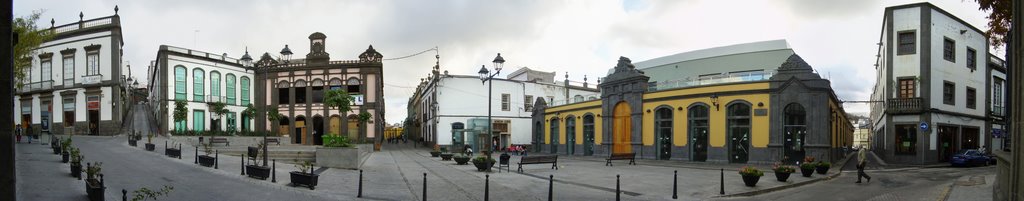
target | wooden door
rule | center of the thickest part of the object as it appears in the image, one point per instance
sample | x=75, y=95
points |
x=621, y=138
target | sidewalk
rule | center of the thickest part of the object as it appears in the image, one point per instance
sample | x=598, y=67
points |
x=969, y=188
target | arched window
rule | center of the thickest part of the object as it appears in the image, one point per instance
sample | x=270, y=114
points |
x=230, y=80
x=215, y=85
x=180, y=89
x=245, y=90
x=554, y=135
x=738, y=132
x=663, y=132
x=335, y=83
x=282, y=92
x=300, y=91
x=577, y=99
x=318, y=90
x=699, y=132
x=197, y=85
x=353, y=85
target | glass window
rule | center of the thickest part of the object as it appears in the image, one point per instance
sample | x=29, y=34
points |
x=231, y=121
x=948, y=93
x=245, y=90
x=215, y=86
x=282, y=93
x=198, y=120
x=906, y=139
x=230, y=80
x=949, y=50
x=907, y=88
x=971, y=58
x=577, y=98
x=997, y=96
x=69, y=71
x=528, y=103
x=69, y=112
x=504, y=102
x=179, y=83
x=46, y=69
x=92, y=60
x=353, y=85
x=198, y=85
x=300, y=92
x=907, y=40
x=971, y=99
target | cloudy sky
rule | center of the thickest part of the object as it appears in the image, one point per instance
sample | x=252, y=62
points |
x=579, y=37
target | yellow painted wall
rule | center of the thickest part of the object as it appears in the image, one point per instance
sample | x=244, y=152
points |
x=565, y=111
x=840, y=127
x=717, y=121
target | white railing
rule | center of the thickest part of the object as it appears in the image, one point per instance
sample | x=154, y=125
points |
x=680, y=83
x=36, y=86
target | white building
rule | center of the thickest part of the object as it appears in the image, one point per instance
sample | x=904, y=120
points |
x=932, y=82
x=75, y=84
x=199, y=78
x=454, y=107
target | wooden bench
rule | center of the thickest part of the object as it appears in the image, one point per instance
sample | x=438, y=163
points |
x=525, y=160
x=219, y=140
x=621, y=156
x=273, y=140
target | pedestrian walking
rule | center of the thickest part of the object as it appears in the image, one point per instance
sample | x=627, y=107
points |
x=862, y=155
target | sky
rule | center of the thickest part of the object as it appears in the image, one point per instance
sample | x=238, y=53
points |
x=837, y=38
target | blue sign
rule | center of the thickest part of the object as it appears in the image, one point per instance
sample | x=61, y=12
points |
x=998, y=133
x=924, y=126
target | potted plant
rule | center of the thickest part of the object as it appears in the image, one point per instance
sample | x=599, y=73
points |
x=807, y=167
x=55, y=144
x=445, y=156
x=253, y=169
x=782, y=172
x=65, y=148
x=172, y=152
x=751, y=175
x=461, y=159
x=76, y=163
x=822, y=167
x=149, y=143
x=482, y=163
x=303, y=178
x=436, y=152
x=94, y=187
x=131, y=140
x=206, y=159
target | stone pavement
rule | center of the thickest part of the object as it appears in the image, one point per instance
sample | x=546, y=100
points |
x=972, y=187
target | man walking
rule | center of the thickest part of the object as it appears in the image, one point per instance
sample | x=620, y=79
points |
x=862, y=163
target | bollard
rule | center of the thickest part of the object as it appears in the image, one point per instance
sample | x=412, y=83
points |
x=124, y=195
x=273, y=171
x=551, y=187
x=216, y=159
x=675, y=184
x=618, y=193
x=721, y=190
x=487, y=187
x=243, y=164
x=197, y=156
x=424, y=186
x=360, y=184
x=179, y=151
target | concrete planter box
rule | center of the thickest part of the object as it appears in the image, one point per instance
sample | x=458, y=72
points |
x=343, y=157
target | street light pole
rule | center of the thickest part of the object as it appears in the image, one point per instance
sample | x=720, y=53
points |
x=485, y=76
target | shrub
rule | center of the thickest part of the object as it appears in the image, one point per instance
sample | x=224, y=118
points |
x=809, y=159
x=807, y=166
x=751, y=171
x=332, y=140
x=482, y=159
x=824, y=164
x=778, y=167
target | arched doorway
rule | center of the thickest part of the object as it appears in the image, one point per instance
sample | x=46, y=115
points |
x=663, y=132
x=621, y=139
x=353, y=128
x=554, y=135
x=538, y=136
x=335, y=125
x=318, y=130
x=282, y=126
x=739, y=132
x=588, y=135
x=300, y=130
x=795, y=129
x=570, y=135
x=698, y=132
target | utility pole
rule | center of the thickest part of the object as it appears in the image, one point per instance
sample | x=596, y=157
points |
x=8, y=183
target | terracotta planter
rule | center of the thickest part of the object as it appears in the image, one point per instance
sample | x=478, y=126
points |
x=822, y=170
x=782, y=176
x=751, y=180
x=304, y=179
x=806, y=172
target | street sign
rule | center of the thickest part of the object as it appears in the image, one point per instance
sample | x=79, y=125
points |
x=924, y=126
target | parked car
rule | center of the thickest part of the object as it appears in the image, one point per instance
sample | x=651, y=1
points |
x=969, y=157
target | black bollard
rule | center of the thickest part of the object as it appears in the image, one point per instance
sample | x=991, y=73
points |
x=424, y=186
x=360, y=184
x=216, y=159
x=487, y=187
x=243, y=164
x=124, y=195
x=675, y=184
x=618, y=193
x=551, y=187
x=721, y=190
x=179, y=151
x=197, y=156
x=273, y=171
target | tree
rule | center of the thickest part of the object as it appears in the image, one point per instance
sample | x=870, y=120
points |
x=29, y=38
x=999, y=20
x=180, y=114
x=217, y=110
x=249, y=112
x=364, y=117
x=338, y=99
x=273, y=115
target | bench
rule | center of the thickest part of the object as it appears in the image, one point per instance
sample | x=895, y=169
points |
x=273, y=140
x=621, y=156
x=525, y=160
x=219, y=140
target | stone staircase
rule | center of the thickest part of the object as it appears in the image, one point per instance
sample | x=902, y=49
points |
x=282, y=156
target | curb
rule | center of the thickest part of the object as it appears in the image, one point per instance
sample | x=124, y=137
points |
x=769, y=190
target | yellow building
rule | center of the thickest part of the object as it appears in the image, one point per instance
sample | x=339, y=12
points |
x=789, y=113
x=393, y=132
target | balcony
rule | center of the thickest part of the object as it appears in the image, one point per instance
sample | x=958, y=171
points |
x=36, y=86
x=904, y=105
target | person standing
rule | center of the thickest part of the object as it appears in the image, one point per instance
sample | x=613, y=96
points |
x=862, y=162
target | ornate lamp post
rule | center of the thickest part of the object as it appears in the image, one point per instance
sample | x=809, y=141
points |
x=486, y=76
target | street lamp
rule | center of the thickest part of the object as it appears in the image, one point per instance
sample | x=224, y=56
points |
x=486, y=76
x=246, y=59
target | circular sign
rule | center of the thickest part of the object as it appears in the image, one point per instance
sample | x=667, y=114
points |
x=923, y=126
